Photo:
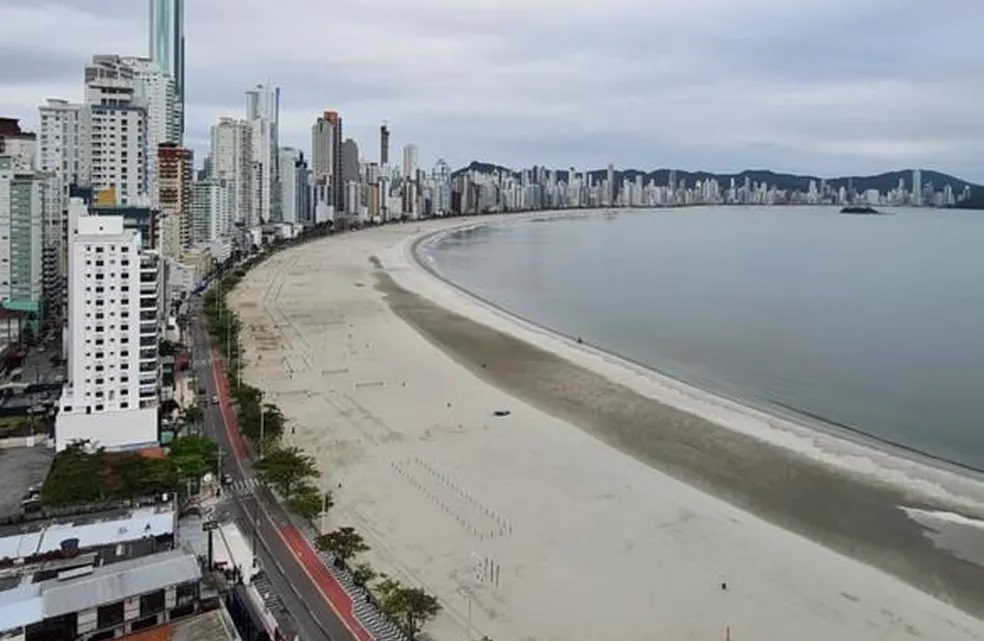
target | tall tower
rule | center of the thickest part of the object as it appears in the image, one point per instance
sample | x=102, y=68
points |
x=176, y=165
x=231, y=154
x=384, y=145
x=167, y=49
x=917, y=188
x=115, y=131
x=326, y=158
x=263, y=115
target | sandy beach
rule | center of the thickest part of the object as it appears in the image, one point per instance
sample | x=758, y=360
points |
x=611, y=503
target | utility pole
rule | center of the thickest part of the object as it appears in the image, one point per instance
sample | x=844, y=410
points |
x=262, y=426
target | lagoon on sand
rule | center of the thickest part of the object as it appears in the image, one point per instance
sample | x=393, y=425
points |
x=612, y=502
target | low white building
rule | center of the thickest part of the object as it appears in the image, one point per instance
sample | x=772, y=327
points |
x=111, y=397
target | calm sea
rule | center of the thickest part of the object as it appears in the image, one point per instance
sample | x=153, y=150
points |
x=870, y=323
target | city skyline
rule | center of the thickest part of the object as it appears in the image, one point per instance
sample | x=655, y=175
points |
x=482, y=83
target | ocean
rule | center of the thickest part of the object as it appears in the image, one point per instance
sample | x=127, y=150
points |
x=868, y=325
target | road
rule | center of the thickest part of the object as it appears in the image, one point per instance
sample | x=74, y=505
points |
x=296, y=574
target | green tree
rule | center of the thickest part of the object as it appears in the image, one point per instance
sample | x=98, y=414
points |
x=363, y=574
x=193, y=415
x=282, y=469
x=193, y=457
x=409, y=608
x=75, y=477
x=344, y=543
x=307, y=501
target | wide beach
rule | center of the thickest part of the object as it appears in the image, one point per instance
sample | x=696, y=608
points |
x=611, y=503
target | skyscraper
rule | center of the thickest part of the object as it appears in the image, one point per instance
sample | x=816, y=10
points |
x=326, y=158
x=293, y=185
x=114, y=142
x=263, y=115
x=167, y=49
x=176, y=165
x=384, y=145
x=610, y=186
x=231, y=160
x=917, y=188
x=411, y=186
x=155, y=91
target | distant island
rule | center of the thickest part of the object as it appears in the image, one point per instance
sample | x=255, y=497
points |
x=871, y=211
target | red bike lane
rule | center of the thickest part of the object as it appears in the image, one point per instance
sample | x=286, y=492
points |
x=294, y=540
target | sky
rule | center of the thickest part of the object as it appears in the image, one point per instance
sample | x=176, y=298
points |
x=824, y=87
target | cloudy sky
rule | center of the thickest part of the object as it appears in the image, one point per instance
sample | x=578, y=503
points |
x=813, y=86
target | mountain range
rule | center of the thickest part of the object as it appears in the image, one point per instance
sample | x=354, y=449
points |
x=882, y=182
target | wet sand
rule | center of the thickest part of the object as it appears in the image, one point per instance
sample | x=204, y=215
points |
x=858, y=519
x=592, y=510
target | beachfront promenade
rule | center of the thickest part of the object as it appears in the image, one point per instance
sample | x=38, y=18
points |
x=319, y=603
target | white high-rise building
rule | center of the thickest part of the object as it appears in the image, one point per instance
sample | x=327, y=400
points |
x=263, y=115
x=917, y=188
x=291, y=185
x=231, y=160
x=61, y=143
x=410, y=164
x=155, y=91
x=116, y=124
x=212, y=211
x=411, y=188
x=111, y=397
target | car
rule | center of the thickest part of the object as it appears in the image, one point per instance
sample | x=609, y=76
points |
x=227, y=479
x=215, y=399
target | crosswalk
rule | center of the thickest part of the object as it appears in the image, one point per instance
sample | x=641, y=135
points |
x=242, y=487
x=381, y=628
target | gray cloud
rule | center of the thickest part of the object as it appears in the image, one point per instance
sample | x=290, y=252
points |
x=839, y=86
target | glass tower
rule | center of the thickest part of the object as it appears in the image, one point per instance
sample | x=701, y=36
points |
x=167, y=48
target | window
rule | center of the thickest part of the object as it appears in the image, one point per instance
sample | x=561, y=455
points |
x=99, y=408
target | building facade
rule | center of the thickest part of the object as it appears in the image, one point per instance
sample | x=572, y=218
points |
x=263, y=115
x=21, y=215
x=116, y=127
x=155, y=91
x=231, y=160
x=212, y=210
x=111, y=396
x=293, y=186
x=176, y=167
x=326, y=159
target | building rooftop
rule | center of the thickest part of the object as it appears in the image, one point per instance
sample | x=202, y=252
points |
x=91, y=531
x=87, y=587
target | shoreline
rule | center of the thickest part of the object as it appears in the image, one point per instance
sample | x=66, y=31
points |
x=839, y=439
x=591, y=495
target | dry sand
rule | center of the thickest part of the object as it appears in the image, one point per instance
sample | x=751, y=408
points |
x=611, y=503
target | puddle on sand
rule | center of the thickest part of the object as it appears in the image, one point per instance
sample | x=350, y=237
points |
x=957, y=534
